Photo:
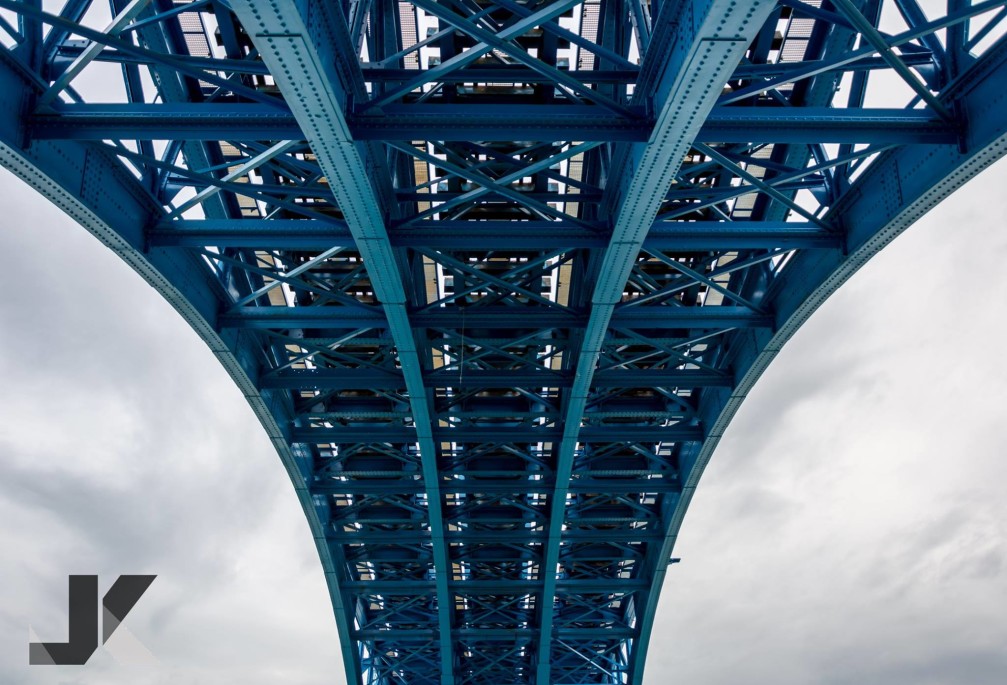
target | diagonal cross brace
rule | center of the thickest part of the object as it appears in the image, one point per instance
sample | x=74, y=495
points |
x=543, y=15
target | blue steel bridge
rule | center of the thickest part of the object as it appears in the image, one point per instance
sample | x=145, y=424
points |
x=496, y=274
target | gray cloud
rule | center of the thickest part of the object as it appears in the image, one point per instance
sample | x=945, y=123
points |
x=850, y=529
x=125, y=448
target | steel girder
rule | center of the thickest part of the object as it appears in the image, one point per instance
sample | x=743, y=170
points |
x=461, y=122
x=700, y=43
x=898, y=188
x=496, y=274
x=308, y=49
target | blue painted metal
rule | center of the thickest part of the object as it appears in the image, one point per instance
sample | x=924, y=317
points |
x=465, y=122
x=496, y=275
x=704, y=40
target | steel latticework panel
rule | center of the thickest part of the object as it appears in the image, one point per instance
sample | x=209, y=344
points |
x=496, y=274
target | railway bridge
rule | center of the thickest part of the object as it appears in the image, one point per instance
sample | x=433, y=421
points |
x=495, y=275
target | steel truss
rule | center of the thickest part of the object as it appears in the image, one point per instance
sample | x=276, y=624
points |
x=496, y=274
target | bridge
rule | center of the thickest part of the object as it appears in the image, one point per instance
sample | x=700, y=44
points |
x=495, y=275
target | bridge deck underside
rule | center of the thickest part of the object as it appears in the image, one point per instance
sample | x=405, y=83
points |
x=496, y=274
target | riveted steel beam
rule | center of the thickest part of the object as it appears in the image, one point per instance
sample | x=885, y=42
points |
x=310, y=54
x=364, y=378
x=700, y=44
x=496, y=318
x=898, y=188
x=255, y=121
x=308, y=234
x=411, y=635
x=394, y=434
x=503, y=587
x=520, y=536
x=471, y=486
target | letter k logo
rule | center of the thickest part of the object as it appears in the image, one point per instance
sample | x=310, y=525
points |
x=83, y=609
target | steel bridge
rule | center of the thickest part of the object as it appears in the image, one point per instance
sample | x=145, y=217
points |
x=496, y=274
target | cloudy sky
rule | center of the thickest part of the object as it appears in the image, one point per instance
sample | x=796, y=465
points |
x=852, y=528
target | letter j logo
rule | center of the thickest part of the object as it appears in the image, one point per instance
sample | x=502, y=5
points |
x=117, y=602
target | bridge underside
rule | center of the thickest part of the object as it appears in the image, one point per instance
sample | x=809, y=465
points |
x=496, y=274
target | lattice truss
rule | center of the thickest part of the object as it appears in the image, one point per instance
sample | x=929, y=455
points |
x=500, y=261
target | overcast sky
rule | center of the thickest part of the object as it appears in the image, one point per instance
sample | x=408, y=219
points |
x=850, y=529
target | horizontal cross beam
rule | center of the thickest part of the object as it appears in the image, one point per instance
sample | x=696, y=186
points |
x=377, y=486
x=250, y=121
x=364, y=378
x=521, y=536
x=385, y=433
x=508, y=634
x=496, y=318
x=508, y=587
x=307, y=234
